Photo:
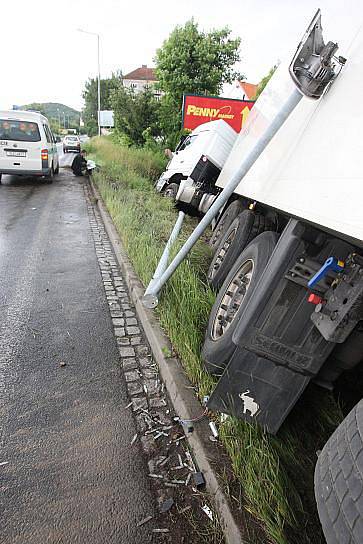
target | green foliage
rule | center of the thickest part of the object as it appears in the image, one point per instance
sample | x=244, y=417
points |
x=265, y=80
x=90, y=96
x=192, y=61
x=136, y=115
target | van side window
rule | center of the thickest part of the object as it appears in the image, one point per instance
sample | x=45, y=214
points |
x=47, y=133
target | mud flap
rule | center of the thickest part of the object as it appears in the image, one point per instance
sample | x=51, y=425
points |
x=257, y=390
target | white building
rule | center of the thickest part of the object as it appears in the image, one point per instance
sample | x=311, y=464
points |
x=140, y=79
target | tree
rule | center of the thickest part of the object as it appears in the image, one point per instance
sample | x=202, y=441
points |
x=90, y=96
x=191, y=61
x=196, y=62
x=265, y=80
x=136, y=113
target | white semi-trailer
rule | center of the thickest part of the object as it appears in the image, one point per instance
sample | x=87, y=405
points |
x=288, y=260
x=289, y=268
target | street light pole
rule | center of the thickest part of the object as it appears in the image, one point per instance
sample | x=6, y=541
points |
x=99, y=86
x=98, y=77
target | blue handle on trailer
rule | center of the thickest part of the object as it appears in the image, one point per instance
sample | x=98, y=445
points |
x=331, y=265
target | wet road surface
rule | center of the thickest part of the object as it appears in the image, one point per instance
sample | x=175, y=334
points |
x=68, y=473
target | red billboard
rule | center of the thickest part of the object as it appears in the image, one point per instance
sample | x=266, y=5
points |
x=198, y=109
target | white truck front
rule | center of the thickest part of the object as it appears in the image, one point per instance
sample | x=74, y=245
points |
x=200, y=156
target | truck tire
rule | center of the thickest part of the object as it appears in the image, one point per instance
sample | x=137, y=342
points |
x=229, y=215
x=245, y=227
x=171, y=190
x=232, y=298
x=339, y=482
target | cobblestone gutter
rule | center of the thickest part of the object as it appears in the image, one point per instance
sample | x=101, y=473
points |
x=178, y=481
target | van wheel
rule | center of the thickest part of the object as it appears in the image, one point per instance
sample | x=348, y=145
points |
x=171, y=190
x=246, y=226
x=339, y=481
x=50, y=177
x=229, y=215
x=56, y=171
x=231, y=300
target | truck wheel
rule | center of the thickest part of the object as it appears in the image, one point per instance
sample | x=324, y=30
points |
x=231, y=300
x=339, y=481
x=171, y=190
x=240, y=233
x=56, y=171
x=229, y=215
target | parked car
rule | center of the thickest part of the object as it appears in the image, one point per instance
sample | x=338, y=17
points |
x=71, y=143
x=27, y=145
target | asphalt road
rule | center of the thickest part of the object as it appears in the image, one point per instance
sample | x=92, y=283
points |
x=68, y=473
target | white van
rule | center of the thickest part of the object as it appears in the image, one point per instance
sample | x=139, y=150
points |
x=27, y=145
x=200, y=156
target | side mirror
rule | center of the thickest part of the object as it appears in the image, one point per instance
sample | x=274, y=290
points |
x=314, y=65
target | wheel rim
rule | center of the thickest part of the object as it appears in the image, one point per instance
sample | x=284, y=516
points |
x=221, y=255
x=169, y=193
x=232, y=299
x=217, y=231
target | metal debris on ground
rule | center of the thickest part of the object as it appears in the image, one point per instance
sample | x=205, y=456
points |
x=4, y=463
x=160, y=531
x=133, y=440
x=145, y=520
x=207, y=511
x=165, y=507
x=213, y=428
x=198, y=479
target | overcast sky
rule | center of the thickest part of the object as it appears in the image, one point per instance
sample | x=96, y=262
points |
x=45, y=59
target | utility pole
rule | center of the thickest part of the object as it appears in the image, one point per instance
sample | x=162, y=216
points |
x=98, y=77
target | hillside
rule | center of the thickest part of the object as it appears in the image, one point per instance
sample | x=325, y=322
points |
x=54, y=111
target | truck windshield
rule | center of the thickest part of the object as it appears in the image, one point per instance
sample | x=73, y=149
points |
x=20, y=131
x=189, y=140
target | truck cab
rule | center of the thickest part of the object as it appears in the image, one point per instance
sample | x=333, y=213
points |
x=200, y=156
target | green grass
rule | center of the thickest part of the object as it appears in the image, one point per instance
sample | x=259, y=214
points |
x=275, y=474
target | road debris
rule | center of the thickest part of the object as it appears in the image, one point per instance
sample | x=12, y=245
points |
x=145, y=520
x=207, y=511
x=213, y=428
x=198, y=479
x=4, y=463
x=62, y=363
x=165, y=507
x=133, y=440
x=160, y=531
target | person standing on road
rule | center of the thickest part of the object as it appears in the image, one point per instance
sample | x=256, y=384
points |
x=79, y=164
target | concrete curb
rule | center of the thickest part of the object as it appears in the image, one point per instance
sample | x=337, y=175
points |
x=185, y=403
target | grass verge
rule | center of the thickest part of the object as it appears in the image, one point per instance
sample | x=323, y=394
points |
x=275, y=474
